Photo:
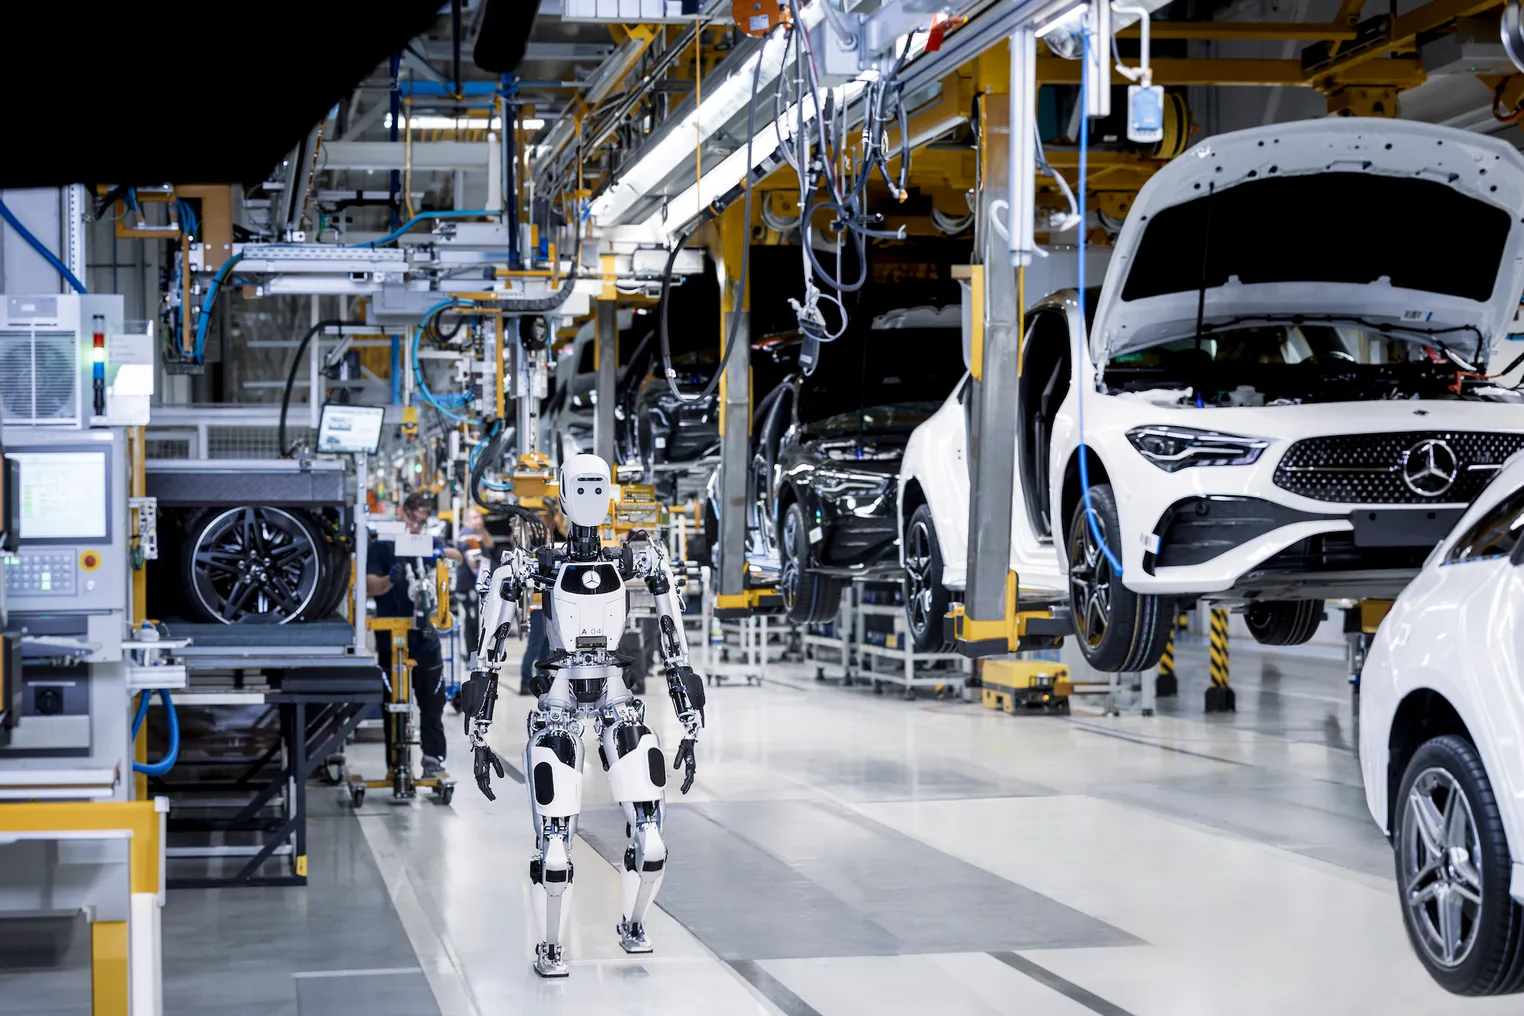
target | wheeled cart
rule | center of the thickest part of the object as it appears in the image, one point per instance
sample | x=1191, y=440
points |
x=884, y=654
x=397, y=712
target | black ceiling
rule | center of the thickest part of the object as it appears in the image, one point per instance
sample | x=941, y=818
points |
x=191, y=92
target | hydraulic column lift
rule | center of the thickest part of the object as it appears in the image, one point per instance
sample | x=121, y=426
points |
x=991, y=621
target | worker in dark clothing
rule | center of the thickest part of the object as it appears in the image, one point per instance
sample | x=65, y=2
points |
x=386, y=581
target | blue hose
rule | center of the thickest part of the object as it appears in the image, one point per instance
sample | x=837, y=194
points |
x=172, y=754
x=1091, y=518
x=422, y=217
x=206, y=305
x=423, y=386
x=36, y=244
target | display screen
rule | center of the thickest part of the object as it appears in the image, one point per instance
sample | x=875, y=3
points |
x=350, y=429
x=63, y=495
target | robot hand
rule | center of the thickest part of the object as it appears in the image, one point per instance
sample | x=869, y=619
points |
x=485, y=763
x=685, y=760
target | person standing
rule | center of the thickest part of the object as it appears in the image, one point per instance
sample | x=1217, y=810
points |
x=386, y=582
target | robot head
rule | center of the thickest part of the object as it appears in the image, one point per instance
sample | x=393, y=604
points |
x=586, y=489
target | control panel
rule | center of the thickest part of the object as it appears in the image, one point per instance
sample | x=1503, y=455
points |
x=42, y=572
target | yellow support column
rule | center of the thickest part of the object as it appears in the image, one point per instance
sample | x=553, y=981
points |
x=109, y=975
x=125, y=957
x=1219, y=695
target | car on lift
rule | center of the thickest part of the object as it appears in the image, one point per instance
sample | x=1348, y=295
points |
x=826, y=450
x=1441, y=720
x=1269, y=419
x=671, y=436
x=569, y=413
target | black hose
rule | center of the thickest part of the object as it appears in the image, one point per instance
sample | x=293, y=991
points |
x=495, y=440
x=296, y=361
x=733, y=331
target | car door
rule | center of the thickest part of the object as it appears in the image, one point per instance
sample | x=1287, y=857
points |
x=1043, y=382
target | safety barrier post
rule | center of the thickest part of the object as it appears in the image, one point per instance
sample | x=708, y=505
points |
x=1166, y=685
x=1219, y=696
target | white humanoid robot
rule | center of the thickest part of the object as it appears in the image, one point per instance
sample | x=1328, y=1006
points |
x=583, y=598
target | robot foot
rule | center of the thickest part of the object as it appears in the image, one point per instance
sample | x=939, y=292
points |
x=548, y=961
x=632, y=937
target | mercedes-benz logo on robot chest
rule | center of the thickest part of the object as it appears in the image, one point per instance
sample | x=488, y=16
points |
x=1430, y=467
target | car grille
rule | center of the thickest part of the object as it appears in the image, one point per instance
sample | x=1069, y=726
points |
x=1378, y=468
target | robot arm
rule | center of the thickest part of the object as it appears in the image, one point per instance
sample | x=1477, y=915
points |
x=685, y=687
x=499, y=593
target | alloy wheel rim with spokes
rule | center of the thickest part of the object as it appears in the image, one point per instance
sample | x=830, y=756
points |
x=918, y=576
x=1440, y=856
x=1090, y=581
x=255, y=561
x=790, y=579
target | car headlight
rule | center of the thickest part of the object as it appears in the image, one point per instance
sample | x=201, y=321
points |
x=844, y=481
x=1174, y=448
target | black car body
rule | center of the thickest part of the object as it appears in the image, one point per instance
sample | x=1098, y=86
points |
x=825, y=457
x=669, y=435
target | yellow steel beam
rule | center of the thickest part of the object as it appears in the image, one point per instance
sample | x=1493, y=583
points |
x=1397, y=72
x=1228, y=30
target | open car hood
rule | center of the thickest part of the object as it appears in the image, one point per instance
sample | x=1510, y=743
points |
x=1385, y=220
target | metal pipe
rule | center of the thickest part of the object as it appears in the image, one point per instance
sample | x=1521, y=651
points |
x=1023, y=156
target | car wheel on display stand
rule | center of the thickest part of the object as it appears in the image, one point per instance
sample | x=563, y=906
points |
x=253, y=565
x=1117, y=629
x=1454, y=870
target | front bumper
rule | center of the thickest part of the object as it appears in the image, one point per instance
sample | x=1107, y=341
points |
x=1365, y=552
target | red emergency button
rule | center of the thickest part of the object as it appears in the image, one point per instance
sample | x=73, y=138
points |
x=89, y=560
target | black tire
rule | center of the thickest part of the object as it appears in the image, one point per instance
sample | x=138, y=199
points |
x=295, y=561
x=1117, y=629
x=926, y=598
x=1283, y=622
x=808, y=597
x=1488, y=956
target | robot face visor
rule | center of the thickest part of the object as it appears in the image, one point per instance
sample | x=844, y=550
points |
x=585, y=499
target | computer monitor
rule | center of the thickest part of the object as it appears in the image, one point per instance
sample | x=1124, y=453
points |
x=64, y=494
x=350, y=430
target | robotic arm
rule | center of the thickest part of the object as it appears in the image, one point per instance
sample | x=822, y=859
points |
x=648, y=560
x=499, y=593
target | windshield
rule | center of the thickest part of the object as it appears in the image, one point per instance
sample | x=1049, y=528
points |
x=1293, y=362
x=870, y=372
x=897, y=418
x=1281, y=344
x=1324, y=227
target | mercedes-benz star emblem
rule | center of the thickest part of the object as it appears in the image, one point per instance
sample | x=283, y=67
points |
x=1430, y=467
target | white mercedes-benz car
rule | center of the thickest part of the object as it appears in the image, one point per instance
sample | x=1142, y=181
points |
x=1442, y=746
x=1283, y=390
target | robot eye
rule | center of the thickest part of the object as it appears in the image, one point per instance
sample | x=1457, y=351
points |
x=597, y=490
x=579, y=490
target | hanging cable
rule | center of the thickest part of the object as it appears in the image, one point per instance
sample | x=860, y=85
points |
x=1091, y=518
x=37, y=245
x=172, y=751
x=296, y=361
x=732, y=335
x=204, y=321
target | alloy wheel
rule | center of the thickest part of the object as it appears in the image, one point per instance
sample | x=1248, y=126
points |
x=255, y=562
x=918, y=576
x=1090, y=579
x=791, y=577
x=1441, y=867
